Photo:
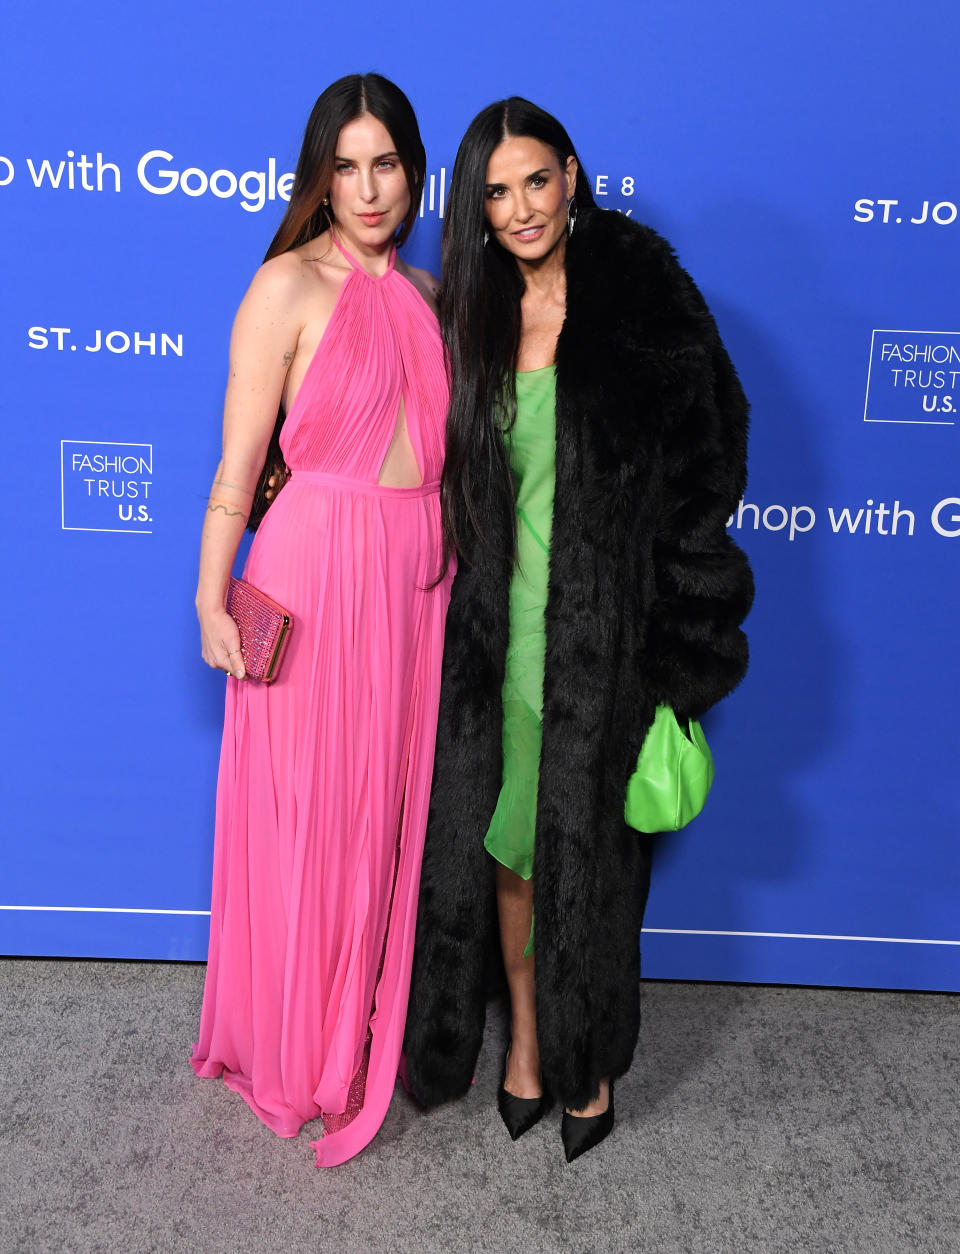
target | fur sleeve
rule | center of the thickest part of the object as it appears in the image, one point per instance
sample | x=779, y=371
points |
x=696, y=652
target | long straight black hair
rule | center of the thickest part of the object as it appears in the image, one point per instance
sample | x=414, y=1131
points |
x=307, y=217
x=480, y=314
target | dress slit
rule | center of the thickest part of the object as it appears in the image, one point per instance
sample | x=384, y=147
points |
x=336, y=1122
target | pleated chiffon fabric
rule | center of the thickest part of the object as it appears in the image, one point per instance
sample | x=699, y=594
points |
x=325, y=775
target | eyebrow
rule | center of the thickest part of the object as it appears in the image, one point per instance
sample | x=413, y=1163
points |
x=379, y=157
x=544, y=169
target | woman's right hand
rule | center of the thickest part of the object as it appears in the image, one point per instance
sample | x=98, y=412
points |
x=220, y=641
x=266, y=334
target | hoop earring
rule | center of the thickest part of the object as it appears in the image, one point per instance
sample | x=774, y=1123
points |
x=571, y=215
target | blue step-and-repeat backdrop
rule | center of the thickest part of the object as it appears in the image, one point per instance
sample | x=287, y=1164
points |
x=803, y=160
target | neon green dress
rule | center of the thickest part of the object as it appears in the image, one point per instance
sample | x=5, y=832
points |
x=531, y=447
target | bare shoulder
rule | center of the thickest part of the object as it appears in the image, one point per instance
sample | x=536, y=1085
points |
x=293, y=275
x=426, y=284
x=274, y=295
x=294, y=287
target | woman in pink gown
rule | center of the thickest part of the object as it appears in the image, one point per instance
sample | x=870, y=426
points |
x=325, y=774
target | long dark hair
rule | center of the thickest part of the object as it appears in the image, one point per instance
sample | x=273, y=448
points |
x=307, y=217
x=480, y=314
x=343, y=102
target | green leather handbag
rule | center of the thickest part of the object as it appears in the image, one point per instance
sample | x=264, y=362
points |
x=673, y=776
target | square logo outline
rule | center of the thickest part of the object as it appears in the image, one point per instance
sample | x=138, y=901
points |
x=917, y=422
x=139, y=531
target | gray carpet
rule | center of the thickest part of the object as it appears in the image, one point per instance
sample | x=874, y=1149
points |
x=755, y=1119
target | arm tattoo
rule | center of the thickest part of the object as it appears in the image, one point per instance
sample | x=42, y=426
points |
x=287, y=358
x=215, y=503
x=223, y=483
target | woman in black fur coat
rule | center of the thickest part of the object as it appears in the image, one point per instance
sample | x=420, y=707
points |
x=645, y=600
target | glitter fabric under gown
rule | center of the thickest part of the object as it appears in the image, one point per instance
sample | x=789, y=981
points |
x=325, y=774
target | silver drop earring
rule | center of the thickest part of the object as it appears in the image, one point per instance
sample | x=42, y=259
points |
x=571, y=215
x=486, y=239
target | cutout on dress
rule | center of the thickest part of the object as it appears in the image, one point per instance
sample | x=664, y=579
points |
x=399, y=468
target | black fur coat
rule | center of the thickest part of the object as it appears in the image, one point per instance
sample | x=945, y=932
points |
x=647, y=593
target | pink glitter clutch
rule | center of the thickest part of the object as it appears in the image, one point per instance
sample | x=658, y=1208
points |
x=264, y=627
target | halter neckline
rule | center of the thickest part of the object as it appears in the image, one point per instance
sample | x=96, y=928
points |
x=357, y=266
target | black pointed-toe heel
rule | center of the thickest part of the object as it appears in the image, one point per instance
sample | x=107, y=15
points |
x=519, y=1113
x=581, y=1133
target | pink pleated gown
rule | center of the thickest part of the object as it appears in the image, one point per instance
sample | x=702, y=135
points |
x=325, y=774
